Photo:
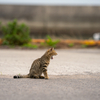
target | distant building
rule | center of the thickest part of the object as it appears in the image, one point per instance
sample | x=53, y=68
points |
x=64, y=21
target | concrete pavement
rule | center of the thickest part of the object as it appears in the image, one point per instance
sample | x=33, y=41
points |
x=67, y=62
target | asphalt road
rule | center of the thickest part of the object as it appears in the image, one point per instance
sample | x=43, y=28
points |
x=73, y=87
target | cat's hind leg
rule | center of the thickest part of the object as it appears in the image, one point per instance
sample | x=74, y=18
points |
x=41, y=77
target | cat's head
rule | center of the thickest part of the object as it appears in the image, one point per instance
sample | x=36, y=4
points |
x=51, y=52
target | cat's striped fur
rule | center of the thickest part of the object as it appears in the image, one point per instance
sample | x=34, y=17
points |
x=39, y=66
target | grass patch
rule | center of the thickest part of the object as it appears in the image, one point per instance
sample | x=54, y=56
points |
x=71, y=44
x=31, y=46
x=50, y=42
x=84, y=46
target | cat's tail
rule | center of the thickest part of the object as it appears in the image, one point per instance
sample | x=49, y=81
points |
x=21, y=76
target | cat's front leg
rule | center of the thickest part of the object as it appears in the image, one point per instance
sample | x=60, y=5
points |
x=45, y=74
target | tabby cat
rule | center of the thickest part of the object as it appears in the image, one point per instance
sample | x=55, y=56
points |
x=39, y=66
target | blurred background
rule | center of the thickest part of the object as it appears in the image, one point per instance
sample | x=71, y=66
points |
x=64, y=19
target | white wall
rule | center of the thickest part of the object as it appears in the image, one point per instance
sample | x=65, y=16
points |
x=51, y=2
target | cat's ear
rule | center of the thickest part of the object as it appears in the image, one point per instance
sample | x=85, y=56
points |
x=51, y=49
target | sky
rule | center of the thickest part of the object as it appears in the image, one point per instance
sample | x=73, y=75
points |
x=51, y=2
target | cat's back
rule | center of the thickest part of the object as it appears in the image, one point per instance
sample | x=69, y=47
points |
x=36, y=63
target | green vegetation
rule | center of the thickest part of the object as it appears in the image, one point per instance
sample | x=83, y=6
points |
x=71, y=44
x=15, y=34
x=84, y=45
x=50, y=42
x=31, y=46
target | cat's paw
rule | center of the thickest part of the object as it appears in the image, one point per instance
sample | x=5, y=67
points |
x=46, y=78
